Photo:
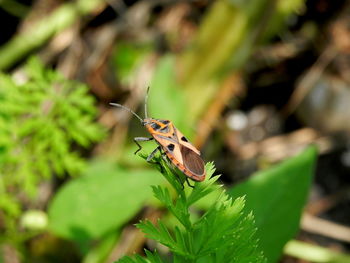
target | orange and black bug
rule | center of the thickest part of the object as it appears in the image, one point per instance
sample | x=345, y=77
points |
x=172, y=143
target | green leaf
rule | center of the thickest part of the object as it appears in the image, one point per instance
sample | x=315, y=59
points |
x=277, y=197
x=153, y=257
x=206, y=187
x=161, y=234
x=102, y=199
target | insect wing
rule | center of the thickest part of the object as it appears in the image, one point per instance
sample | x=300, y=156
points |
x=194, y=163
x=183, y=140
x=170, y=146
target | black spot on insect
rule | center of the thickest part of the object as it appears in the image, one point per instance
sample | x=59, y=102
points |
x=164, y=121
x=171, y=147
x=155, y=126
x=183, y=138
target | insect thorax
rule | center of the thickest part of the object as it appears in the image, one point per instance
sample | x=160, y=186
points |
x=158, y=126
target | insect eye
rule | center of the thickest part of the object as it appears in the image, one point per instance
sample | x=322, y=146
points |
x=171, y=147
x=183, y=138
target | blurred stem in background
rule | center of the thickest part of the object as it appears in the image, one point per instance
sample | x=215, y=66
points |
x=61, y=18
x=313, y=253
x=228, y=35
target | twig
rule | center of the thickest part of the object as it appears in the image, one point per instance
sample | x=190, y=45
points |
x=313, y=253
x=326, y=228
x=307, y=82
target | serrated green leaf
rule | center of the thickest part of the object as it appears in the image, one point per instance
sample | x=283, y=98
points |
x=277, y=197
x=206, y=187
x=153, y=257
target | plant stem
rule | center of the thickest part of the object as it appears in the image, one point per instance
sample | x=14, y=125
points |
x=314, y=253
x=228, y=35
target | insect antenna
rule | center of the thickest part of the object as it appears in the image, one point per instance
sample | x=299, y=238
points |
x=126, y=108
x=146, y=102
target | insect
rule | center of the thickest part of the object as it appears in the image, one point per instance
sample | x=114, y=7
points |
x=172, y=143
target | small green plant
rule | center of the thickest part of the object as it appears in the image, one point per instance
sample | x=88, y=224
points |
x=43, y=118
x=224, y=233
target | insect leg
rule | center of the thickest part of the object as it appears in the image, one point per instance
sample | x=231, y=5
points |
x=188, y=183
x=150, y=157
x=141, y=139
x=158, y=163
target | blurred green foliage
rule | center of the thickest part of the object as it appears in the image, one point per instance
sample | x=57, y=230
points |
x=42, y=30
x=104, y=198
x=43, y=118
x=277, y=197
x=127, y=57
x=229, y=33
